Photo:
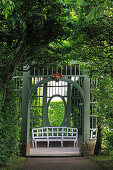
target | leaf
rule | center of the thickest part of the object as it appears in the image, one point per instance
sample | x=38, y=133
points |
x=6, y=14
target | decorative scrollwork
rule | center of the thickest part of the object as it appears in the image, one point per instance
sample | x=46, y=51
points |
x=57, y=76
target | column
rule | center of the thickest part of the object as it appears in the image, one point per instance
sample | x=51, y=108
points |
x=44, y=121
x=86, y=116
x=25, y=91
x=68, y=104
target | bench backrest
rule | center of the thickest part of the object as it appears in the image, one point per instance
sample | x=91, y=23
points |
x=54, y=132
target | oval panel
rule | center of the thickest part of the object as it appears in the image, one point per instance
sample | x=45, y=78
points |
x=56, y=111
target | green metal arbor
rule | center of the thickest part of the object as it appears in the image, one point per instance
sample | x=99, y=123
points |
x=73, y=87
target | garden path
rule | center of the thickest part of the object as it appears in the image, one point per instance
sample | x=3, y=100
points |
x=59, y=163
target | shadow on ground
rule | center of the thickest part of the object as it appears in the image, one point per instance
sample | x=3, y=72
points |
x=59, y=163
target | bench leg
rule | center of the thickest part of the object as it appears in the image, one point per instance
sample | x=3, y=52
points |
x=33, y=144
x=62, y=144
x=74, y=144
x=48, y=144
x=77, y=143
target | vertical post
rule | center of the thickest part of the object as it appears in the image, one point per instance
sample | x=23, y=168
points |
x=26, y=87
x=86, y=116
x=87, y=147
x=44, y=122
x=68, y=104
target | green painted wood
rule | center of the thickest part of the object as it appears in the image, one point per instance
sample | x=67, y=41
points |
x=25, y=122
x=68, y=105
x=44, y=122
x=69, y=81
x=28, y=124
x=86, y=116
x=26, y=96
x=66, y=70
x=51, y=79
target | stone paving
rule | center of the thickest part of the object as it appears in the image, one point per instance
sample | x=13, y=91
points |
x=55, y=151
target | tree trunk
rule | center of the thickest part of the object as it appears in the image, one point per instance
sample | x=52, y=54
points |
x=99, y=141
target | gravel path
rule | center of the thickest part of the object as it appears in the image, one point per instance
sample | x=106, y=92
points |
x=59, y=163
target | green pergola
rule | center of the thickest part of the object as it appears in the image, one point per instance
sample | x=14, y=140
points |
x=75, y=90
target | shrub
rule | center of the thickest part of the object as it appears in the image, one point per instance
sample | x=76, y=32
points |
x=8, y=125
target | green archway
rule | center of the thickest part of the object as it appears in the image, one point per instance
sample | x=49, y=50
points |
x=51, y=79
x=69, y=81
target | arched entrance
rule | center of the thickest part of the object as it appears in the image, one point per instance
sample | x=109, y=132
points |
x=77, y=94
x=56, y=110
x=69, y=84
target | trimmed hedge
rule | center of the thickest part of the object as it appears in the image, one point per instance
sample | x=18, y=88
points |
x=8, y=125
x=56, y=113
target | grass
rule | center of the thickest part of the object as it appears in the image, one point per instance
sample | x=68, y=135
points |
x=106, y=162
x=14, y=163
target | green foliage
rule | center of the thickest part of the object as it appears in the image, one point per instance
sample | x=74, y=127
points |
x=42, y=32
x=26, y=32
x=56, y=112
x=104, y=94
x=106, y=162
x=93, y=35
x=109, y=138
x=8, y=126
x=36, y=110
x=108, y=143
x=6, y=7
x=15, y=162
x=26, y=35
x=92, y=43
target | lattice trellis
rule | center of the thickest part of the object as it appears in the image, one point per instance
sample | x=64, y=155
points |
x=93, y=108
x=73, y=72
x=77, y=110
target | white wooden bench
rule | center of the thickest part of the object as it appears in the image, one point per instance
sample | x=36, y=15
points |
x=54, y=134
